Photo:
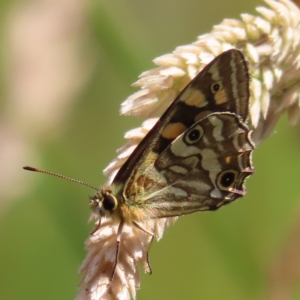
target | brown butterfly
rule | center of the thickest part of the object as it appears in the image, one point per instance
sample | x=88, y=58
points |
x=195, y=158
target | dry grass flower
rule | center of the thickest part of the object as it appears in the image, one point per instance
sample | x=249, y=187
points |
x=271, y=45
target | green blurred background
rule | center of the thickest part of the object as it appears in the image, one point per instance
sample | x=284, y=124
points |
x=228, y=254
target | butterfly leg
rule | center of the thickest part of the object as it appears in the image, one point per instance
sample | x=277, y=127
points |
x=99, y=213
x=147, y=267
x=97, y=227
x=119, y=233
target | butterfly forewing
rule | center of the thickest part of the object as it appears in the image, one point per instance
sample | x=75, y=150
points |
x=222, y=86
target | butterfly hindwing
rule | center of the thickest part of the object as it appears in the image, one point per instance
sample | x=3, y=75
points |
x=203, y=169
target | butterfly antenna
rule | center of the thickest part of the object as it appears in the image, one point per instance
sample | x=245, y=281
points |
x=59, y=175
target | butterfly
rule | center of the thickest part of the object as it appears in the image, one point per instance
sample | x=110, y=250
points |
x=195, y=158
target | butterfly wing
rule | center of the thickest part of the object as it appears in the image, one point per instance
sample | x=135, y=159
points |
x=203, y=169
x=223, y=85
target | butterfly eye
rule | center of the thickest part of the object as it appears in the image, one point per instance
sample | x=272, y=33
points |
x=217, y=86
x=194, y=135
x=109, y=202
x=226, y=179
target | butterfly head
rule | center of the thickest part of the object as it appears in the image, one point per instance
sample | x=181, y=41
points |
x=103, y=202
